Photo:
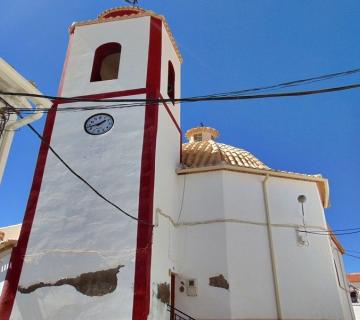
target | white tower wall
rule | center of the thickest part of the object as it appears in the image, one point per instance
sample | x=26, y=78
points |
x=132, y=34
x=74, y=234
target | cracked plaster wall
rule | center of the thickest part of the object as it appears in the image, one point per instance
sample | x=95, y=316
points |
x=74, y=231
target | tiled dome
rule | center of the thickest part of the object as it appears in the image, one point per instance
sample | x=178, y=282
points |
x=202, y=150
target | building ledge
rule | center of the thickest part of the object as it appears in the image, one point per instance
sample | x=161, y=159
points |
x=321, y=182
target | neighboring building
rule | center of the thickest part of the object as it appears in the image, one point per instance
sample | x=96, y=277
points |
x=12, y=81
x=8, y=239
x=354, y=281
x=206, y=228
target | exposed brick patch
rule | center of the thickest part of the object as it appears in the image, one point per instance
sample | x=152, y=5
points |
x=92, y=284
x=219, y=282
x=164, y=292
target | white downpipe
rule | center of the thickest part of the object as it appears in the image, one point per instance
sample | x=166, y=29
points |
x=271, y=247
x=24, y=121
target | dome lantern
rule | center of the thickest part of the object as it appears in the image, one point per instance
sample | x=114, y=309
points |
x=199, y=134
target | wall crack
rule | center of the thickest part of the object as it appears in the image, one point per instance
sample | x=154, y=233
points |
x=92, y=284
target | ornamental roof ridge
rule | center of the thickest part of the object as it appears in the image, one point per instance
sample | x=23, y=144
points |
x=114, y=9
x=142, y=13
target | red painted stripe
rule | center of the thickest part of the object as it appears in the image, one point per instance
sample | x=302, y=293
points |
x=171, y=115
x=66, y=63
x=18, y=253
x=147, y=177
x=106, y=95
x=176, y=125
x=172, y=297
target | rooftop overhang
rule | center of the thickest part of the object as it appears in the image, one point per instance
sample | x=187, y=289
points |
x=322, y=183
x=336, y=242
x=124, y=13
x=12, y=81
x=6, y=245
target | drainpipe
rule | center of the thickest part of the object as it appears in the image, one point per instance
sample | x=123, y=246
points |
x=271, y=247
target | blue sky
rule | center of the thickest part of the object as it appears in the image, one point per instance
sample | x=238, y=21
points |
x=226, y=45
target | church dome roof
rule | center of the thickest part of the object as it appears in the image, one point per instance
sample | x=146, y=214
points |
x=202, y=150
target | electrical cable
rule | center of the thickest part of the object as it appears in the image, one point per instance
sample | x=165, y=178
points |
x=189, y=99
x=354, y=251
x=330, y=233
x=351, y=255
x=98, y=193
x=294, y=83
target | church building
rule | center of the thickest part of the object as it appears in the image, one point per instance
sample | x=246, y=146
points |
x=142, y=226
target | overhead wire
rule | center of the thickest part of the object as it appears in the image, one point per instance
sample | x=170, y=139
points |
x=352, y=255
x=72, y=171
x=294, y=83
x=183, y=100
x=231, y=95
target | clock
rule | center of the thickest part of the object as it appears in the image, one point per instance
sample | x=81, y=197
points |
x=99, y=124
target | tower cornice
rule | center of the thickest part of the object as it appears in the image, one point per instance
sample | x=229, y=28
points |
x=105, y=17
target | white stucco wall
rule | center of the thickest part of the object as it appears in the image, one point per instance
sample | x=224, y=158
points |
x=239, y=250
x=132, y=34
x=6, y=139
x=4, y=266
x=168, y=53
x=76, y=232
x=343, y=285
x=356, y=307
x=168, y=185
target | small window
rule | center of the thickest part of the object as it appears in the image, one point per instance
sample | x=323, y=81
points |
x=198, y=137
x=171, y=81
x=106, y=62
x=354, y=297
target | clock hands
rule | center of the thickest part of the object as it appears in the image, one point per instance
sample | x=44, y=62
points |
x=97, y=124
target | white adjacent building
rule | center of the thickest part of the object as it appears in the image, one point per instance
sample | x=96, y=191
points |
x=202, y=230
x=354, y=281
x=8, y=240
x=12, y=81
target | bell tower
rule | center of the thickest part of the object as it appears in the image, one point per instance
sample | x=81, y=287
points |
x=78, y=257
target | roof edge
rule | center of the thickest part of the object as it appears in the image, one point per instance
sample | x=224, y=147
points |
x=322, y=183
x=146, y=13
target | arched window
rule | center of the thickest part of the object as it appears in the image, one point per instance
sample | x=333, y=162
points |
x=106, y=62
x=171, y=81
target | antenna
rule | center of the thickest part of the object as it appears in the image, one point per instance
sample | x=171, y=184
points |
x=134, y=3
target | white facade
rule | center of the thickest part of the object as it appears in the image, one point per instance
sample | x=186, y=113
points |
x=227, y=240
x=12, y=81
x=8, y=239
x=74, y=233
x=222, y=230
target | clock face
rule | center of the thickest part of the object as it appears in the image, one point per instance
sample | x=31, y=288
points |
x=99, y=124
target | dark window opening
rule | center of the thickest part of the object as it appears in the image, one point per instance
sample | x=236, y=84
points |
x=354, y=297
x=171, y=81
x=106, y=62
x=198, y=137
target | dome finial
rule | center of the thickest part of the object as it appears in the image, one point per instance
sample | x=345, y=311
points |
x=201, y=134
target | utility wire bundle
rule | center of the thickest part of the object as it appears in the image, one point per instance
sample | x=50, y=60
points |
x=247, y=94
x=225, y=96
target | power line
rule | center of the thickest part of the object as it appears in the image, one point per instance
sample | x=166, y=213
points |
x=67, y=166
x=295, y=82
x=352, y=255
x=354, y=251
x=328, y=233
x=337, y=230
x=189, y=99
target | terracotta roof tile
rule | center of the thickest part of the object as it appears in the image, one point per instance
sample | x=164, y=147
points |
x=210, y=153
x=353, y=277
